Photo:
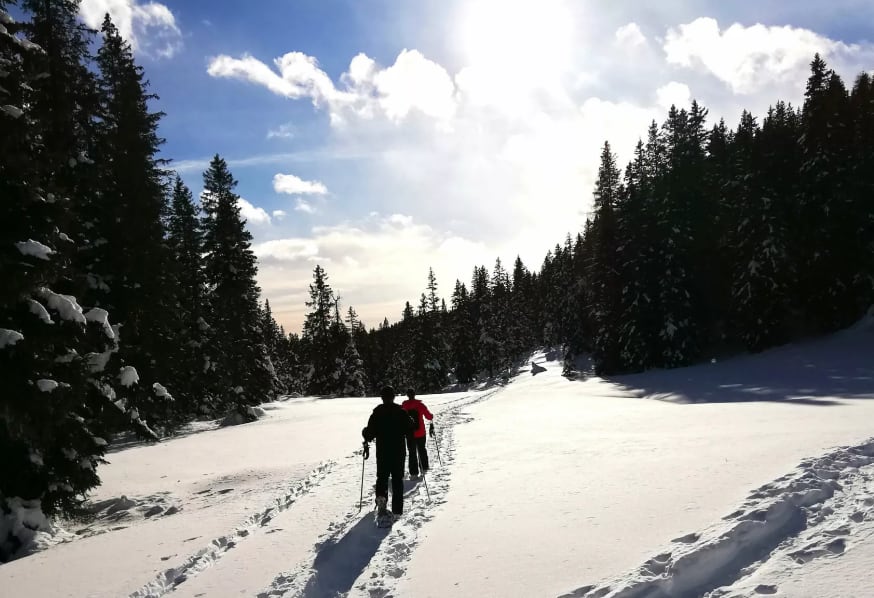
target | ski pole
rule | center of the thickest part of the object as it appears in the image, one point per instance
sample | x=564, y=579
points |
x=363, y=459
x=425, y=479
x=436, y=445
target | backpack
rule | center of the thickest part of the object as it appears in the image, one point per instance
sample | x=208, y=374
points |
x=414, y=415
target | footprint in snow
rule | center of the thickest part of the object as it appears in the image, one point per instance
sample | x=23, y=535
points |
x=766, y=589
x=687, y=539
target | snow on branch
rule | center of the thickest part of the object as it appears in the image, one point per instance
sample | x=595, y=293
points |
x=128, y=376
x=101, y=316
x=65, y=305
x=45, y=385
x=9, y=337
x=31, y=247
x=37, y=309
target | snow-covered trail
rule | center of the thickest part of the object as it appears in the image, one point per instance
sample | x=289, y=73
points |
x=214, y=487
x=280, y=558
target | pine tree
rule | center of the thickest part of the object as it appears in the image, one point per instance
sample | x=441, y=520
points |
x=129, y=209
x=242, y=373
x=825, y=277
x=60, y=400
x=758, y=298
x=185, y=242
x=862, y=178
x=603, y=268
x=639, y=268
x=463, y=341
x=318, y=335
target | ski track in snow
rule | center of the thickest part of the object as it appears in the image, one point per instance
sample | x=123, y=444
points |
x=354, y=557
x=206, y=557
x=817, y=511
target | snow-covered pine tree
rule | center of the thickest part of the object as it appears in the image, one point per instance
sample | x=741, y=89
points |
x=132, y=258
x=318, y=338
x=351, y=377
x=57, y=403
x=243, y=375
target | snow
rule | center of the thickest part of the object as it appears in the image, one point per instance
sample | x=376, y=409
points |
x=13, y=111
x=37, y=309
x=128, y=376
x=65, y=305
x=45, y=385
x=9, y=337
x=101, y=316
x=161, y=392
x=750, y=476
x=33, y=248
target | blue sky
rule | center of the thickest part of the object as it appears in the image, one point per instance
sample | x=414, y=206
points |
x=379, y=138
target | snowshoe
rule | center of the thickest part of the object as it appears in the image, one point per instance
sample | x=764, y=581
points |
x=383, y=518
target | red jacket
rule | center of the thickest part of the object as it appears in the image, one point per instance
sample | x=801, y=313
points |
x=421, y=413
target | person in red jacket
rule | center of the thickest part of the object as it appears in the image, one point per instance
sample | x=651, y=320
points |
x=416, y=441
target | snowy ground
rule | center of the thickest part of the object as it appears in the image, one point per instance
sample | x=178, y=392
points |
x=749, y=477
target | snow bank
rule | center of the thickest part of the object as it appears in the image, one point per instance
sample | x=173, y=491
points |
x=235, y=418
x=9, y=337
x=21, y=527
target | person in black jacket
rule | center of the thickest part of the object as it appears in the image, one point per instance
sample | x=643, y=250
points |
x=389, y=425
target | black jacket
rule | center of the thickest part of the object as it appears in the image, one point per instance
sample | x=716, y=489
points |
x=389, y=424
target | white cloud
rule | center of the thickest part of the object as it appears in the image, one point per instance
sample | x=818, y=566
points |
x=412, y=84
x=302, y=205
x=284, y=131
x=630, y=36
x=749, y=59
x=253, y=214
x=279, y=214
x=674, y=94
x=293, y=185
x=149, y=27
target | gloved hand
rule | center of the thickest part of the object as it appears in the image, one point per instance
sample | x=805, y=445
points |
x=366, y=451
x=431, y=429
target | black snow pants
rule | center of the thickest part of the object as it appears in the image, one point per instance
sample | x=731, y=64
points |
x=391, y=463
x=418, y=454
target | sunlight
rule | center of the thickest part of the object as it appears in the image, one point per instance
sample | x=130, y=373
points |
x=519, y=39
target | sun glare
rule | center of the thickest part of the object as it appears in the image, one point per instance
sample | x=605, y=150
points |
x=530, y=38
